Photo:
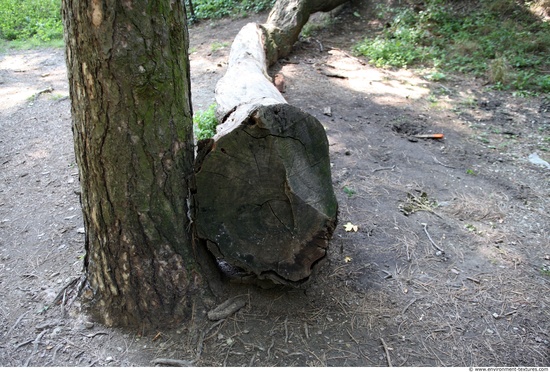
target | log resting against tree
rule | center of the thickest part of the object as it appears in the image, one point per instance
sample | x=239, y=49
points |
x=264, y=200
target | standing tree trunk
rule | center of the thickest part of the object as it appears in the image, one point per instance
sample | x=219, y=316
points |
x=132, y=123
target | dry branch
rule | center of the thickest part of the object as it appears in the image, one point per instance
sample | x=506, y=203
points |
x=226, y=309
x=439, y=250
x=35, y=348
x=173, y=362
x=16, y=323
x=386, y=351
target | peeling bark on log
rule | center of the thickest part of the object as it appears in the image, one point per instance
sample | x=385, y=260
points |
x=264, y=200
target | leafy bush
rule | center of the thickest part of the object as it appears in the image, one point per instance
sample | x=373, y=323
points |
x=544, y=83
x=205, y=122
x=400, y=49
x=222, y=8
x=497, y=39
x=23, y=20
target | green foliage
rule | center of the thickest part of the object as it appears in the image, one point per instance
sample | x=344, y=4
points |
x=30, y=19
x=223, y=8
x=205, y=122
x=349, y=191
x=216, y=45
x=41, y=20
x=495, y=39
x=543, y=82
x=436, y=76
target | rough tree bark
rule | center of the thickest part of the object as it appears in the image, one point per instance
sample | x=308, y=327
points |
x=129, y=84
x=264, y=196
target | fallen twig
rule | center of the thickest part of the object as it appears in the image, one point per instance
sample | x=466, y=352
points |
x=55, y=350
x=408, y=253
x=440, y=251
x=387, y=352
x=16, y=323
x=35, y=348
x=321, y=48
x=384, y=168
x=440, y=163
x=227, y=355
x=353, y=338
x=63, y=303
x=29, y=276
x=23, y=343
x=62, y=294
x=286, y=330
x=173, y=362
x=92, y=335
x=250, y=345
x=269, y=349
x=188, y=363
x=46, y=90
x=473, y=280
x=409, y=305
x=201, y=339
x=226, y=309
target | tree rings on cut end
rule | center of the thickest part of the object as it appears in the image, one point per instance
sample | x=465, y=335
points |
x=264, y=198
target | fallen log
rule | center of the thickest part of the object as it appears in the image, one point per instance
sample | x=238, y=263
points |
x=264, y=200
x=286, y=20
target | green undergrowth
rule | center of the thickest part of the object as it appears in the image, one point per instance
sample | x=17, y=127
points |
x=38, y=23
x=204, y=9
x=38, y=20
x=498, y=40
x=205, y=123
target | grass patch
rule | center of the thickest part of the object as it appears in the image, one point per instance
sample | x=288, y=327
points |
x=217, y=46
x=498, y=40
x=349, y=191
x=32, y=43
x=205, y=123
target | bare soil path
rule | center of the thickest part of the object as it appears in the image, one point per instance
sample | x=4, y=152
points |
x=449, y=264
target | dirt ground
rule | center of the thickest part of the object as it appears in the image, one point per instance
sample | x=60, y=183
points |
x=449, y=266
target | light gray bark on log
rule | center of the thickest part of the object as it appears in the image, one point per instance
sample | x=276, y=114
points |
x=246, y=82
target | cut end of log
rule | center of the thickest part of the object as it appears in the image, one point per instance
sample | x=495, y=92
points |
x=264, y=198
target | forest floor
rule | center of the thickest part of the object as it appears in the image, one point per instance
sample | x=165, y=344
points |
x=449, y=266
